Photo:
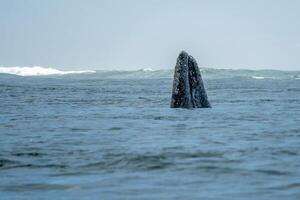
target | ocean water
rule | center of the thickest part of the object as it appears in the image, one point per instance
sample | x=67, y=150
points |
x=111, y=135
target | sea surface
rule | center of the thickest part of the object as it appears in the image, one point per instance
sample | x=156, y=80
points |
x=112, y=135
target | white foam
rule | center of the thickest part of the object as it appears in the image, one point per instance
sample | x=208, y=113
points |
x=258, y=77
x=147, y=70
x=38, y=71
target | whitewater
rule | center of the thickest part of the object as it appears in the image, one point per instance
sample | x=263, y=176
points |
x=38, y=71
x=210, y=73
x=111, y=135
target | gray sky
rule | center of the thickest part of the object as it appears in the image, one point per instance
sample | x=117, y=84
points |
x=134, y=34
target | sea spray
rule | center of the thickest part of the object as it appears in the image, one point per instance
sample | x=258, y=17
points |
x=38, y=71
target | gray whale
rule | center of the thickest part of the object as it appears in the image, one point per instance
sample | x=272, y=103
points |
x=188, y=88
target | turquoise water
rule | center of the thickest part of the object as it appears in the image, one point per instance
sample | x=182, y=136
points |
x=112, y=135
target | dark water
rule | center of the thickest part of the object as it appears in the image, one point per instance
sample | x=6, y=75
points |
x=89, y=137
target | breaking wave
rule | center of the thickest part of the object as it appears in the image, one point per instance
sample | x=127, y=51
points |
x=148, y=70
x=149, y=73
x=258, y=77
x=38, y=71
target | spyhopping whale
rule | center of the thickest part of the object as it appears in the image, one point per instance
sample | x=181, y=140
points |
x=188, y=88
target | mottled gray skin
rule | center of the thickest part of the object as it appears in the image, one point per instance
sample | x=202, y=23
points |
x=188, y=88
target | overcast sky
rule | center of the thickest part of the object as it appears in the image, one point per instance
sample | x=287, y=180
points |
x=134, y=34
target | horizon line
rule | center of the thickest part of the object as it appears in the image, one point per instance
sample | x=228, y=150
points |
x=64, y=68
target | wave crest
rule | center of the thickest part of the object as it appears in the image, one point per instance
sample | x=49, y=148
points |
x=258, y=77
x=149, y=73
x=38, y=71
